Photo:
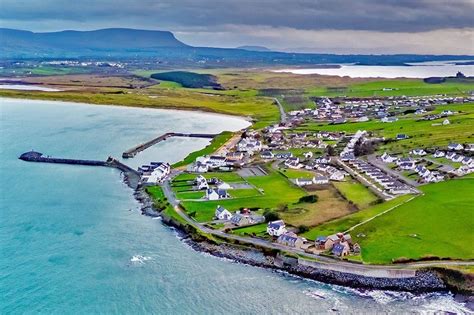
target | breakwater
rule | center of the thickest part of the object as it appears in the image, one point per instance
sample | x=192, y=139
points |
x=130, y=153
x=132, y=177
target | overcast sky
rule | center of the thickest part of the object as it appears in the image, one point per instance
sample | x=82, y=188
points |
x=337, y=26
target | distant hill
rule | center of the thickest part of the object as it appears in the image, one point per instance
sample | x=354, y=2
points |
x=254, y=48
x=83, y=42
x=163, y=47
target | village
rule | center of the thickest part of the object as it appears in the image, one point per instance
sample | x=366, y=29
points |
x=223, y=192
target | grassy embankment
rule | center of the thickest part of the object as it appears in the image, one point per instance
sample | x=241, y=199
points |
x=162, y=204
x=215, y=144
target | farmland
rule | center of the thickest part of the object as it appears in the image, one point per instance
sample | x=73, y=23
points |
x=356, y=193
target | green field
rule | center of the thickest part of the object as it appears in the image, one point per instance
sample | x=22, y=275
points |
x=357, y=193
x=293, y=174
x=228, y=177
x=343, y=224
x=407, y=87
x=277, y=191
x=157, y=195
x=215, y=144
x=188, y=79
x=258, y=230
x=439, y=223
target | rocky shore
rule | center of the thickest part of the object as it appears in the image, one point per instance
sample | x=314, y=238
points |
x=423, y=281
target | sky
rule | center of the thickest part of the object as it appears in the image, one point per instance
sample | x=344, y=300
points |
x=326, y=26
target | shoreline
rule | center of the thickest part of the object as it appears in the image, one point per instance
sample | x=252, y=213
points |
x=424, y=281
x=206, y=111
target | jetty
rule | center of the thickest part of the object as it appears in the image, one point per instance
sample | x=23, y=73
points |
x=130, y=153
x=132, y=177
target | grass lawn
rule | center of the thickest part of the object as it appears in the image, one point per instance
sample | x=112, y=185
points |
x=157, y=195
x=330, y=205
x=228, y=177
x=439, y=223
x=408, y=87
x=343, y=224
x=215, y=144
x=277, y=191
x=190, y=195
x=258, y=230
x=293, y=174
x=354, y=191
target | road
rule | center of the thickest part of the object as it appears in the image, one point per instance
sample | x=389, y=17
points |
x=372, y=159
x=328, y=262
x=283, y=116
x=376, y=190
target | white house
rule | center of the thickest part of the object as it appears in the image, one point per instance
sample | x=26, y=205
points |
x=201, y=183
x=419, y=152
x=387, y=158
x=216, y=194
x=389, y=119
x=222, y=213
x=308, y=155
x=446, y=122
x=321, y=180
x=303, y=182
x=337, y=176
x=438, y=154
x=455, y=146
x=276, y=228
x=224, y=185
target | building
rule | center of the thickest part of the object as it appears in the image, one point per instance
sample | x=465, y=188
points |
x=291, y=240
x=276, y=228
x=222, y=213
x=387, y=158
x=455, y=146
x=321, y=180
x=304, y=182
x=341, y=249
x=216, y=194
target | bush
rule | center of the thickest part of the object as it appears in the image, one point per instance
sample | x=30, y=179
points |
x=271, y=215
x=309, y=199
x=303, y=228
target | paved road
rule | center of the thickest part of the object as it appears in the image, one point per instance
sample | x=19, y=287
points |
x=283, y=116
x=327, y=261
x=372, y=159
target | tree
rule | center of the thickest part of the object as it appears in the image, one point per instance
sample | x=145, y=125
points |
x=303, y=228
x=271, y=215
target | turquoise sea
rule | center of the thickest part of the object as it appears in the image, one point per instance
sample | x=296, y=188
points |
x=73, y=241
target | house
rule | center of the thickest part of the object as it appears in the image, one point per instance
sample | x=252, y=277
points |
x=341, y=249
x=446, y=122
x=362, y=119
x=217, y=161
x=387, y=158
x=290, y=239
x=438, y=154
x=201, y=183
x=293, y=162
x=466, y=160
x=267, y=155
x=389, y=119
x=303, y=182
x=276, y=228
x=320, y=242
x=401, y=136
x=320, y=180
x=200, y=167
x=216, y=194
x=222, y=213
x=331, y=240
x=337, y=176
x=283, y=155
x=419, y=152
x=224, y=186
x=159, y=172
x=240, y=219
x=457, y=158
x=455, y=146
x=308, y=155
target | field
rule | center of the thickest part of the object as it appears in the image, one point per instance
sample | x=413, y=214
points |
x=277, y=191
x=215, y=144
x=188, y=79
x=257, y=230
x=330, y=205
x=438, y=223
x=343, y=224
x=407, y=87
x=421, y=133
x=357, y=193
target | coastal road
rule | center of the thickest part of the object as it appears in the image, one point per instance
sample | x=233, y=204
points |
x=283, y=116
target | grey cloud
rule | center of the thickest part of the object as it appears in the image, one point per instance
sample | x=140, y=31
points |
x=371, y=15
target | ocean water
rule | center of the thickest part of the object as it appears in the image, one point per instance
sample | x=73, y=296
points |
x=73, y=241
x=415, y=70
